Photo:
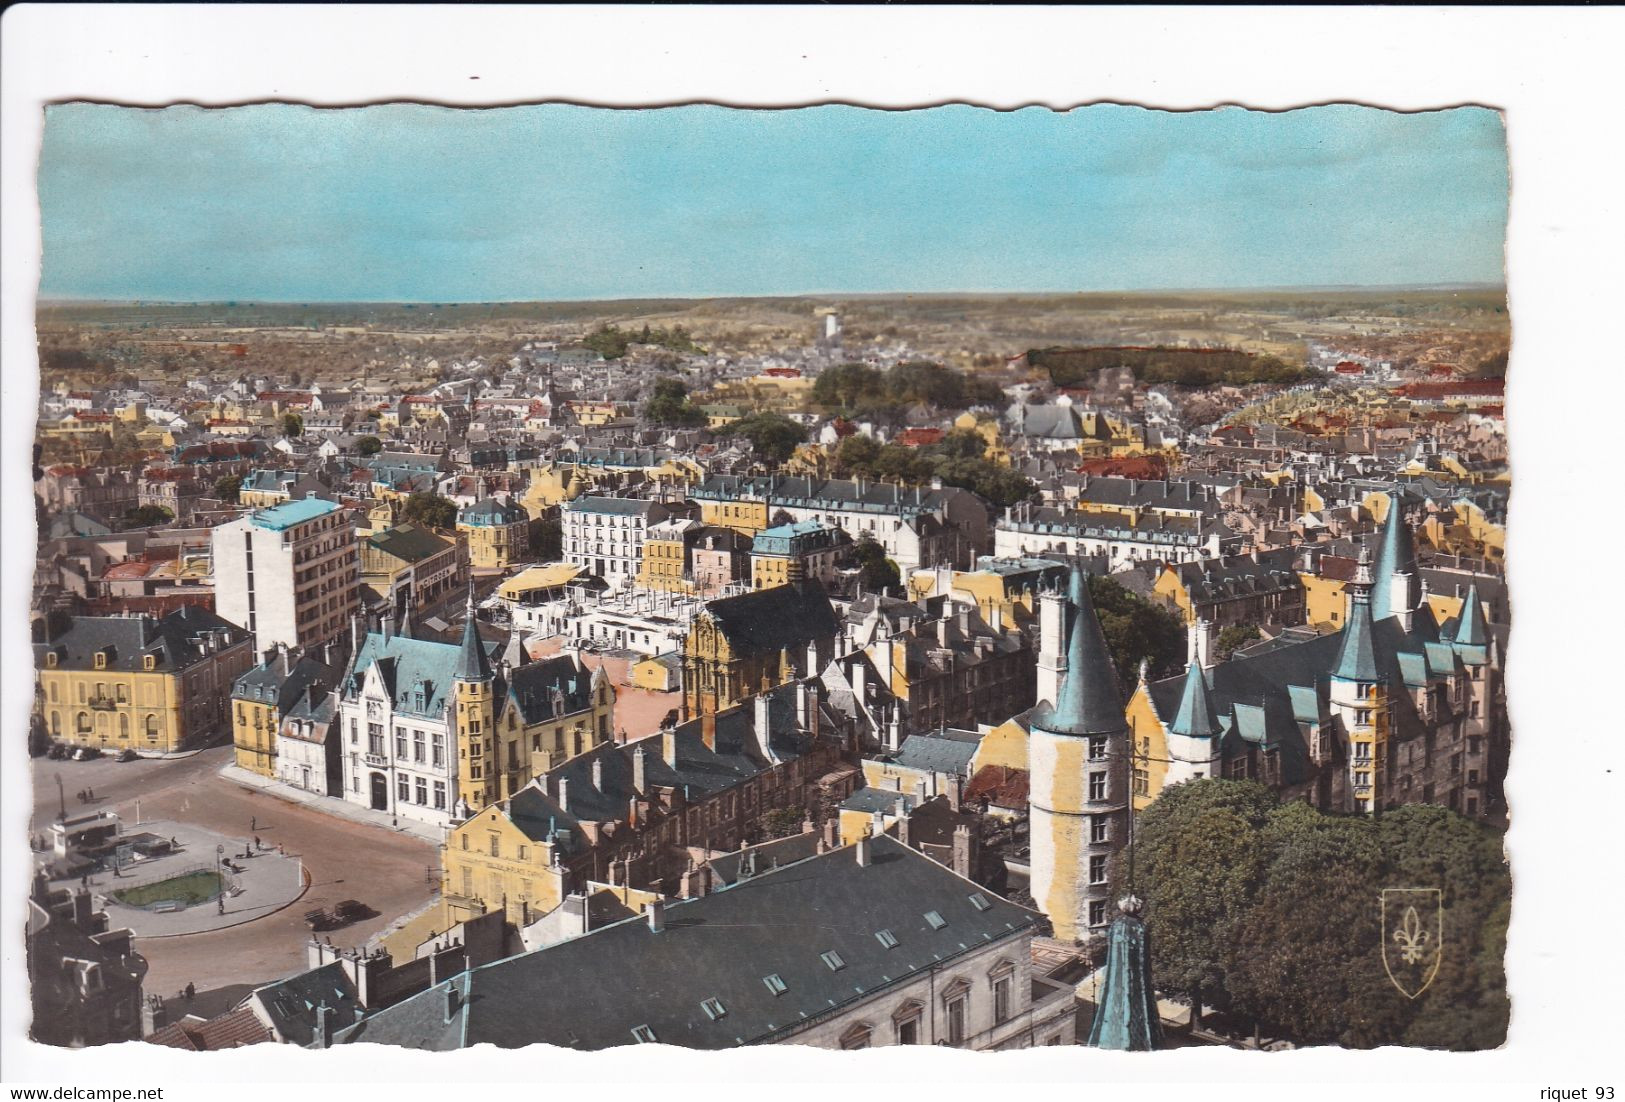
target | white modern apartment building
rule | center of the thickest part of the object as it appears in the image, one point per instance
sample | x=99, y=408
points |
x=288, y=574
x=604, y=536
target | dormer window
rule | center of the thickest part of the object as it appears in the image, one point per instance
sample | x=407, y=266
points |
x=149, y=661
x=101, y=660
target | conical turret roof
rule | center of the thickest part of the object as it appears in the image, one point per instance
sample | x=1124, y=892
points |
x=1357, y=652
x=1398, y=556
x=1090, y=701
x=471, y=661
x=1127, y=1019
x=1471, y=627
x=1195, y=717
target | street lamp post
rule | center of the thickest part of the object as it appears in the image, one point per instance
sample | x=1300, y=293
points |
x=220, y=875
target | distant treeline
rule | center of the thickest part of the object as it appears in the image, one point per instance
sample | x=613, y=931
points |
x=1180, y=366
x=611, y=342
x=860, y=390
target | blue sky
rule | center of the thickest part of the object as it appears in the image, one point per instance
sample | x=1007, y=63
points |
x=415, y=203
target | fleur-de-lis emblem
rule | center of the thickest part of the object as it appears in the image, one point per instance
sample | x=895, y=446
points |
x=1411, y=937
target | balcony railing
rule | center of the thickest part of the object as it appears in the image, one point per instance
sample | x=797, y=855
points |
x=104, y=703
x=377, y=761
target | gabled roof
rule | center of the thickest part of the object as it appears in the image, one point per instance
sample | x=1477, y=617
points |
x=126, y=640
x=404, y=664
x=290, y=1004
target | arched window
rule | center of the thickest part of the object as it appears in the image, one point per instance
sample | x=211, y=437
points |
x=56, y=724
x=152, y=725
x=81, y=723
x=856, y=1036
x=123, y=726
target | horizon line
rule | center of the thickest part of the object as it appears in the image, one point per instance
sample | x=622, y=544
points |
x=1308, y=288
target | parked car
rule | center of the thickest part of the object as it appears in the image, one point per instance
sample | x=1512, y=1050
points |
x=127, y=755
x=351, y=910
x=57, y=752
x=86, y=753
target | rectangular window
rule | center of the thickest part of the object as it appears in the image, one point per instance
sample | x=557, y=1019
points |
x=417, y=746
x=1362, y=779
x=440, y=795
x=1099, y=829
x=1097, y=748
x=1001, y=999
x=1097, y=869
x=1097, y=786
x=400, y=744
x=1097, y=912
x=439, y=749
x=375, y=739
x=908, y=1031
x=421, y=791
x=403, y=788
x=956, y=1022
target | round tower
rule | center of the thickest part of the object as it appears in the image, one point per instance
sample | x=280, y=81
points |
x=1079, y=765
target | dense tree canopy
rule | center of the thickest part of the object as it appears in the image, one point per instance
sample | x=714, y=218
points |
x=860, y=390
x=1273, y=912
x=1137, y=630
x=227, y=488
x=146, y=516
x=611, y=342
x=668, y=404
x=878, y=572
x=772, y=436
x=369, y=445
x=956, y=459
x=1182, y=366
x=1234, y=637
x=429, y=511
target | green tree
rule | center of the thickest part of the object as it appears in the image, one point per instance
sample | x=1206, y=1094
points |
x=1197, y=863
x=429, y=511
x=1233, y=638
x=369, y=445
x=293, y=424
x=228, y=488
x=146, y=516
x=547, y=539
x=878, y=572
x=1137, y=630
x=772, y=436
x=668, y=404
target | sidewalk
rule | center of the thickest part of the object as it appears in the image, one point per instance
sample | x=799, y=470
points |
x=331, y=805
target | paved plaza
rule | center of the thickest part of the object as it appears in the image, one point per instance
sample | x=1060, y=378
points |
x=343, y=858
x=259, y=881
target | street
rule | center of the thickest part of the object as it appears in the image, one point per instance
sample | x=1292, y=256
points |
x=344, y=859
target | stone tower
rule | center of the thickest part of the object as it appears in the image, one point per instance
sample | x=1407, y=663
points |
x=478, y=762
x=1078, y=758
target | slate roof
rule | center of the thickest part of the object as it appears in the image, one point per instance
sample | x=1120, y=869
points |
x=532, y=688
x=611, y=506
x=1236, y=576
x=291, y=1004
x=1090, y=700
x=719, y=946
x=767, y=621
x=409, y=543
x=282, y=678
x=404, y=664
x=940, y=752
x=490, y=512
x=1195, y=716
x=173, y=641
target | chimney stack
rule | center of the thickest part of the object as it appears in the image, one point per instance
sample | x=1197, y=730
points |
x=324, y=1027
x=454, y=1001
x=598, y=772
x=640, y=771
x=564, y=793
x=832, y=835
x=708, y=729
x=668, y=745
x=657, y=915
x=963, y=850
x=861, y=851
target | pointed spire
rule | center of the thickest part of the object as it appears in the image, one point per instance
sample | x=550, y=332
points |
x=1356, y=654
x=471, y=662
x=1090, y=701
x=1472, y=629
x=406, y=616
x=1196, y=717
x=1397, y=577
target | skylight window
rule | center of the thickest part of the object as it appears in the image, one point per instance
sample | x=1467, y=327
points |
x=643, y=1035
x=979, y=901
x=886, y=938
x=833, y=959
x=713, y=1008
x=936, y=920
x=775, y=983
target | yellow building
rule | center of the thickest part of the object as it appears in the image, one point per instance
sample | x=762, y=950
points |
x=260, y=698
x=665, y=567
x=504, y=859
x=498, y=534
x=744, y=517
x=740, y=646
x=158, y=686
x=1324, y=601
